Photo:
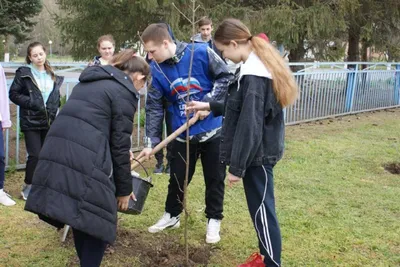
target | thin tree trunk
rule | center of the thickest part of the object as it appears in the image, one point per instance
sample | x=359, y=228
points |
x=353, y=53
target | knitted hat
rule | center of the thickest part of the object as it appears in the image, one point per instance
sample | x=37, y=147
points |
x=263, y=36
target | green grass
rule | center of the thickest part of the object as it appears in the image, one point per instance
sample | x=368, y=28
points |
x=336, y=204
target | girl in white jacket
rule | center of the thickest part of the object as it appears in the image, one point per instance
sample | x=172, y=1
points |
x=5, y=123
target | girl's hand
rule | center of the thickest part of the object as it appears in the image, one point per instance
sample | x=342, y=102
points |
x=194, y=106
x=232, y=179
x=123, y=202
x=203, y=114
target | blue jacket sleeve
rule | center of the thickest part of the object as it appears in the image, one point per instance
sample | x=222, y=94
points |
x=221, y=77
x=154, y=115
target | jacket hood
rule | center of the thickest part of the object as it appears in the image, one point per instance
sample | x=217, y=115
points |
x=180, y=52
x=254, y=66
x=108, y=72
x=26, y=71
x=197, y=38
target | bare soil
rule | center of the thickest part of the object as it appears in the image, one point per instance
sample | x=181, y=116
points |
x=393, y=168
x=168, y=252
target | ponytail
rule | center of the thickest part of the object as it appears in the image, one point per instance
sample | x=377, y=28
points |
x=49, y=70
x=284, y=84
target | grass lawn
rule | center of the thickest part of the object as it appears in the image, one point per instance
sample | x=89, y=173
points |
x=336, y=203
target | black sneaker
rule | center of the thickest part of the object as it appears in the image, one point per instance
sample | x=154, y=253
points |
x=167, y=170
x=159, y=169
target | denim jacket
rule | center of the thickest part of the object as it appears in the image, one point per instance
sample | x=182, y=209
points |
x=253, y=129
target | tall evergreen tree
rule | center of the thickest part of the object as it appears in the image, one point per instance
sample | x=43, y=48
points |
x=16, y=17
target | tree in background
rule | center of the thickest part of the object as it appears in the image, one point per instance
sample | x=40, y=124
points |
x=83, y=21
x=16, y=18
x=300, y=25
x=369, y=23
x=321, y=28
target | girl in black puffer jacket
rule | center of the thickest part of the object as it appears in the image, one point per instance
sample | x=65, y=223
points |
x=36, y=90
x=83, y=174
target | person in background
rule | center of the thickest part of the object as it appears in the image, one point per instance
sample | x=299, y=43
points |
x=36, y=90
x=263, y=36
x=205, y=28
x=254, y=128
x=5, y=123
x=83, y=175
x=106, y=48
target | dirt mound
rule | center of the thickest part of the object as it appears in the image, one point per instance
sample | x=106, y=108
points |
x=162, y=251
x=393, y=168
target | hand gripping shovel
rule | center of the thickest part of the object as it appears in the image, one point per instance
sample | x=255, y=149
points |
x=167, y=140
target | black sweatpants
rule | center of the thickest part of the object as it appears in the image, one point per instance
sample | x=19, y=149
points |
x=33, y=141
x=258, y=185
x=214, y=175
x=90, y=249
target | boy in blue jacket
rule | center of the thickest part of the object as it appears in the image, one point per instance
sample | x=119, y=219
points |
x=209, y=81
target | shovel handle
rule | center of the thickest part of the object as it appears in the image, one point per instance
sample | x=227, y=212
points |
x=167, y=140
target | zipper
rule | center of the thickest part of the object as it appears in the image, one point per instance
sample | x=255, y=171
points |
x=37, y=86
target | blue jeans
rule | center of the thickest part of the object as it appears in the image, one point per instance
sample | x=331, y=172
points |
x=2, y=162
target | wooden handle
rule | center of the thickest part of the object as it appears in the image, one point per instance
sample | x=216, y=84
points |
x=167, y=140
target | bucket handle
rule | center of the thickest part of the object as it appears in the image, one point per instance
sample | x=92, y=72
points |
x=147, y=174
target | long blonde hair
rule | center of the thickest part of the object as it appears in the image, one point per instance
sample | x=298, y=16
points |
x=284, y=84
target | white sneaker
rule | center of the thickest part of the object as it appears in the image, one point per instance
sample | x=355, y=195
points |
x=166, y=221
x=213, y=227
x=5, y=199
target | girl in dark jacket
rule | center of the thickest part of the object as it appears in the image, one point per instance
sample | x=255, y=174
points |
x=254, y=127
x=36, y=90
x=83, y=173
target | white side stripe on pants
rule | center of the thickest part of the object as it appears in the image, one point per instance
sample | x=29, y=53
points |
x=265, y=239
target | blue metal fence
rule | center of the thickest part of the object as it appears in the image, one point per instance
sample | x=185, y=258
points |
x=325, y=90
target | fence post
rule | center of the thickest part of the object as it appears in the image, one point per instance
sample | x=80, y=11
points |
x=397, y=85
x=351, y=87
x=284, y=115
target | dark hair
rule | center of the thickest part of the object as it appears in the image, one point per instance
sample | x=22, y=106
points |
x=284, y=84
x=127, y=60
x=204, y=21
x=157, y=33
x=47, y=66
x=107, y=37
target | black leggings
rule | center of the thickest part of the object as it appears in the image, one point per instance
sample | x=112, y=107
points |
x=33, y=141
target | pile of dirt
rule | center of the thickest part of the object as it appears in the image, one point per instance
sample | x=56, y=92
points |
x=393, y=168
x=164, y=251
